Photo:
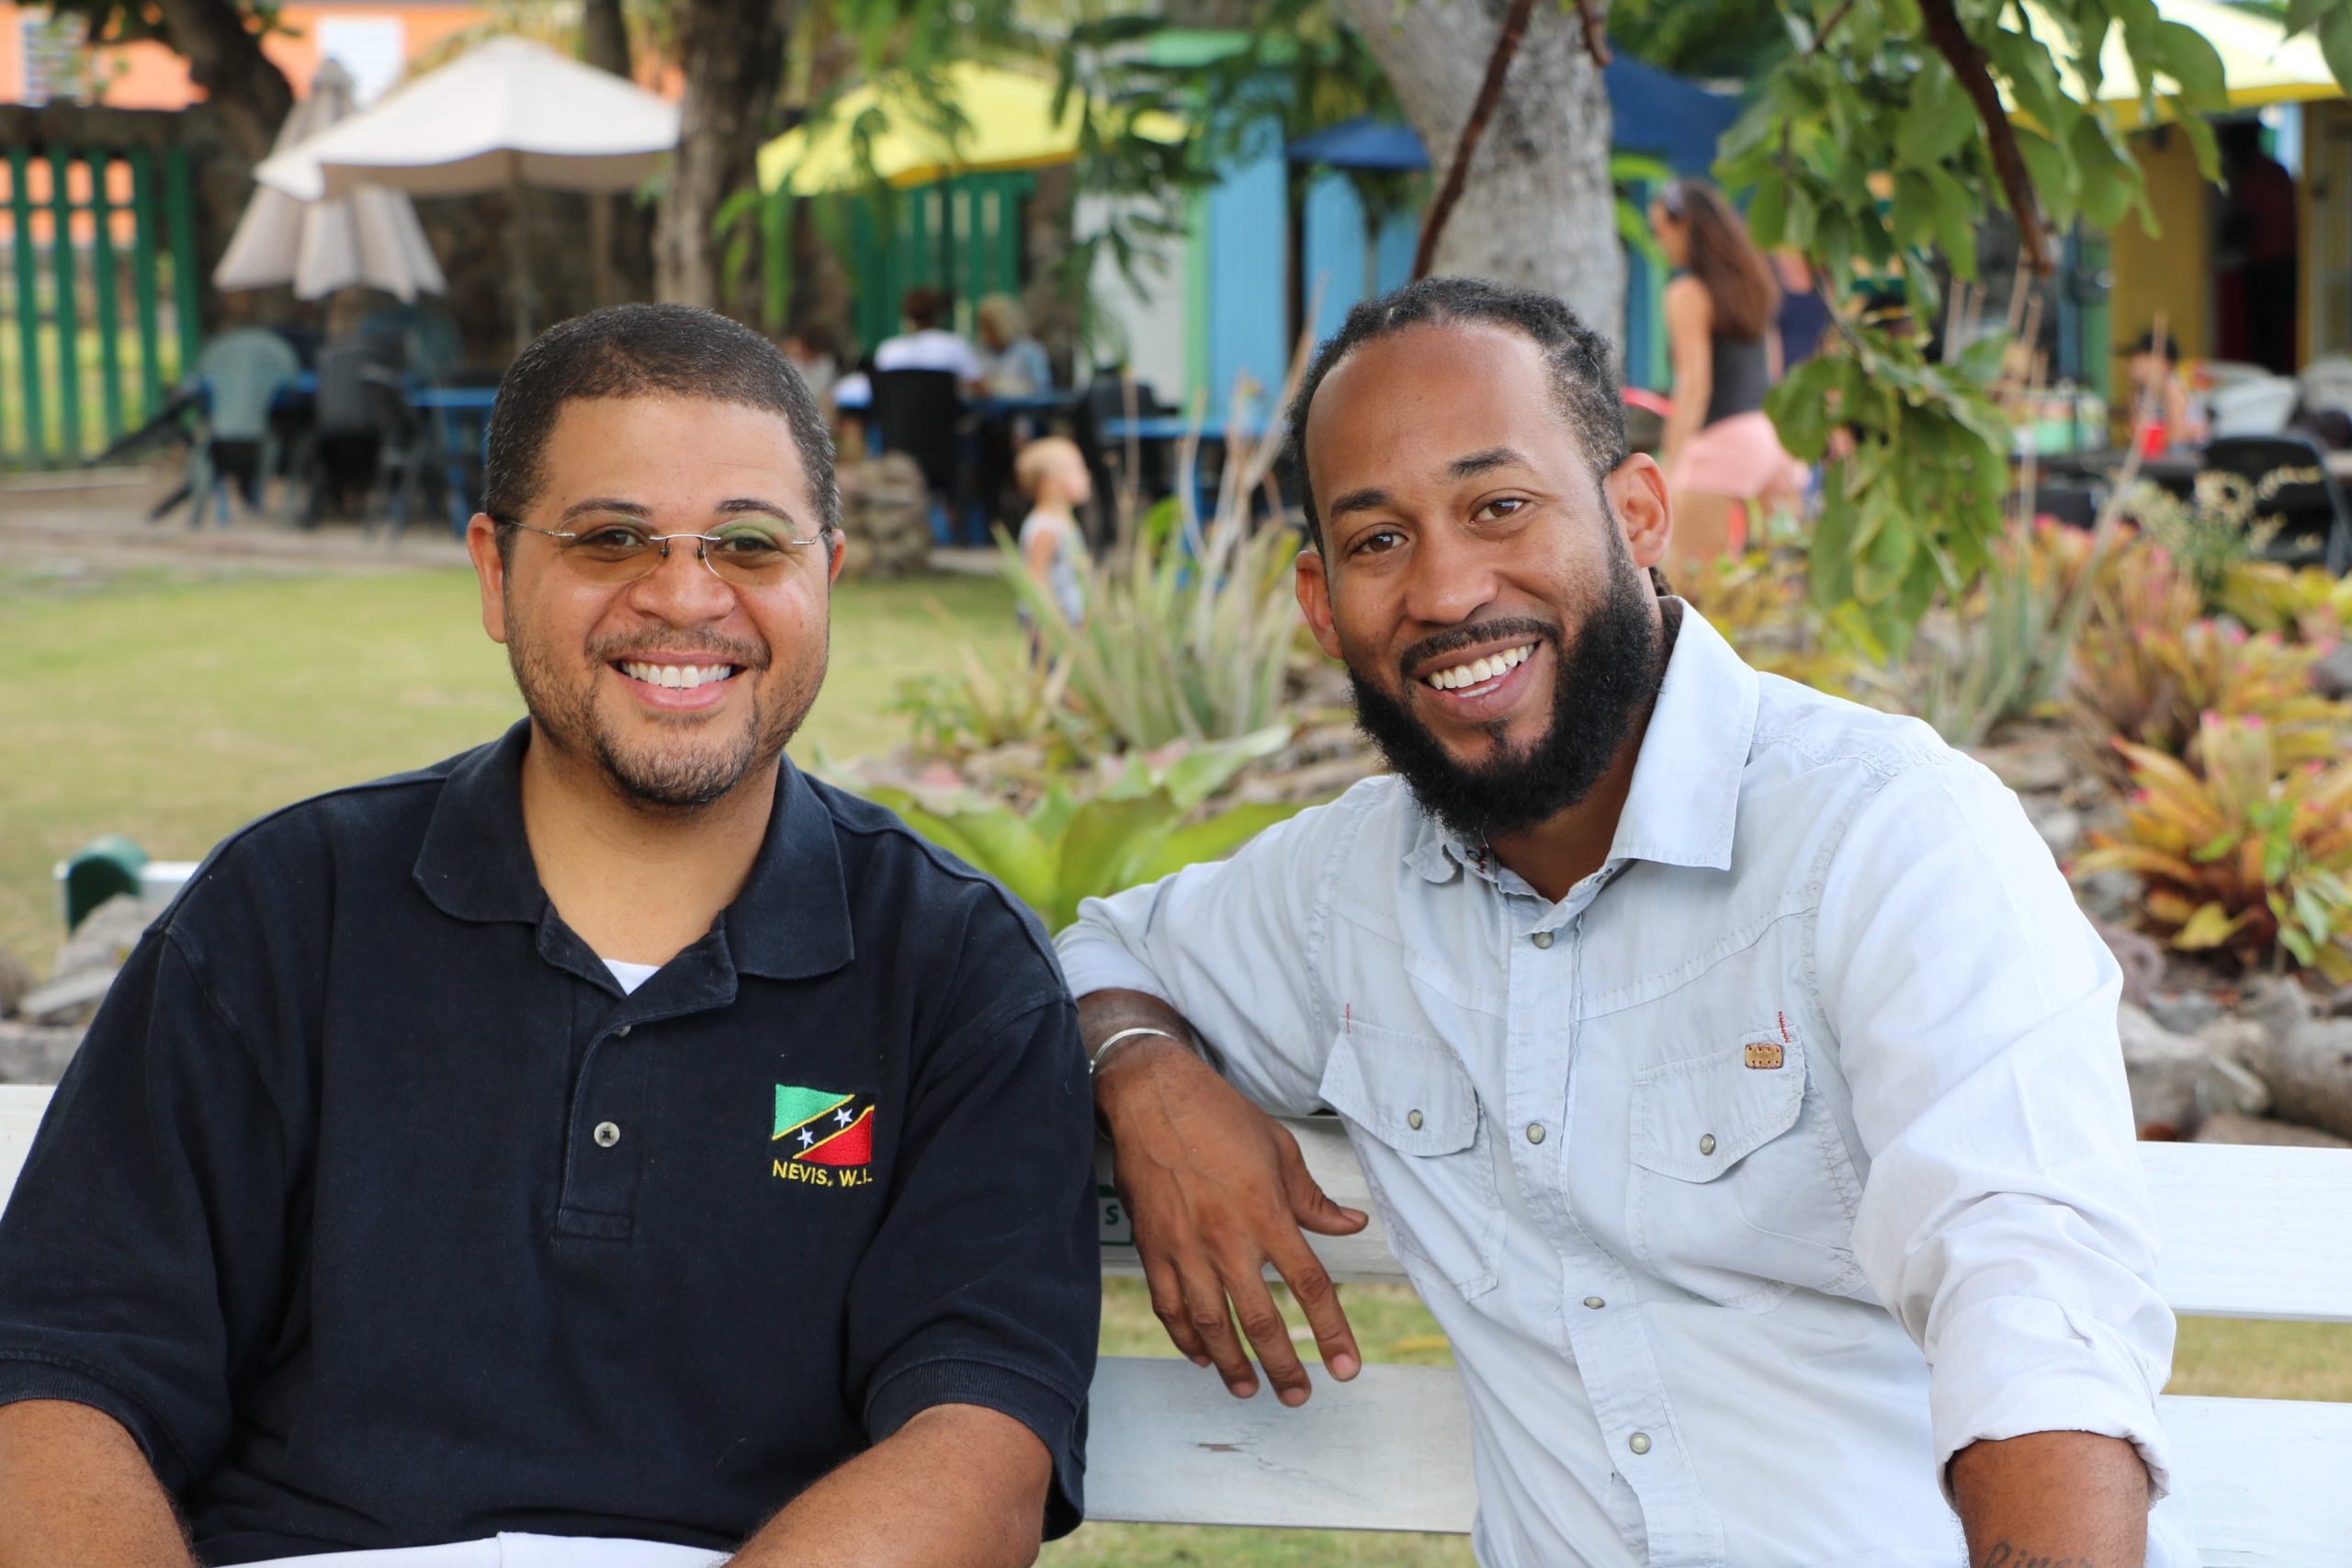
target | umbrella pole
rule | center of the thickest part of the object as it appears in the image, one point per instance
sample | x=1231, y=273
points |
x=518, y=259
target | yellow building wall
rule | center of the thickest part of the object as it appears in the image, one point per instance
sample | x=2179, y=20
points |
x=2173, y=271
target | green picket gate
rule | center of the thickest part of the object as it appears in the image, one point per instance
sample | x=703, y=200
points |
x=98, y=306
x=962, y=234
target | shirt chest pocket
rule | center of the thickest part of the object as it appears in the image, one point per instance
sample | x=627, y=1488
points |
x=1740, y=1190
x=1426, y=1151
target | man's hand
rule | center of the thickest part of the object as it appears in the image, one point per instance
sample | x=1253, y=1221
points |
x=2053, y=1500
x=75, y=1488
x=1217, y=1190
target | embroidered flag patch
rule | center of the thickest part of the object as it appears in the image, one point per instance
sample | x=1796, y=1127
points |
x=821, y=1137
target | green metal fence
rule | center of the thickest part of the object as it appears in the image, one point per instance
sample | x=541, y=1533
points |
x=98, y=307
x=962, y=234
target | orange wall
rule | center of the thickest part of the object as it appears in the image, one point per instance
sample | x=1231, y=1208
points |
x=149, y=77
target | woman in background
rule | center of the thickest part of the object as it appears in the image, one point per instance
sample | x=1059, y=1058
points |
x=1014, y=362
x=1723, y=463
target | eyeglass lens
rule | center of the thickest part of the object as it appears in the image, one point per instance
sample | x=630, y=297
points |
x=751, y=554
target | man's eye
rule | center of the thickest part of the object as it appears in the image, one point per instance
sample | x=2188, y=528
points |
x=1503, y=506
x=748, y=544
x=614, y=538
x=1379, y=541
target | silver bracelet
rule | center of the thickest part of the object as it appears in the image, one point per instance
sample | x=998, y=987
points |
x=1094, y=1063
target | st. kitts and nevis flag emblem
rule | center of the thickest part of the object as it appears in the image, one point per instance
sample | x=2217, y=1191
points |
x=822, y=1137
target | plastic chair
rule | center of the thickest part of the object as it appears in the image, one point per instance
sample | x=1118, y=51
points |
x=921, y=412
x=2316, y=521
x=241, y=372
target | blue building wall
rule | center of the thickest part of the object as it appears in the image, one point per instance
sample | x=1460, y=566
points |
x=1247, y=222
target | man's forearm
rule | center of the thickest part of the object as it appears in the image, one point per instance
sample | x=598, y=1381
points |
x=2053, y=1500
x=957, y=1486
x=75, y=1488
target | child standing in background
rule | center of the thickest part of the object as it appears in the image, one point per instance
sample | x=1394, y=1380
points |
x=1052, y=474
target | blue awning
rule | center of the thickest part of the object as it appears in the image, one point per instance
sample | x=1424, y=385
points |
x=1655, y=112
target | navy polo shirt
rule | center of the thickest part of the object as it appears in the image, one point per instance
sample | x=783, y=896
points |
x=381, y=1217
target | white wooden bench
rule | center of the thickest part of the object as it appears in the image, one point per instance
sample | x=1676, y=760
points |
x=2258, y=1232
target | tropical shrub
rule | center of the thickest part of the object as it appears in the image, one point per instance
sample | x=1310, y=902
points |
x=1144, y=823
x=2302, y=605
x=2211, y=533
x=1188, y=632
x=980, y=708
x=1758, y=602
x=2002, y=653
x=2154, y=688
x=2248, y=856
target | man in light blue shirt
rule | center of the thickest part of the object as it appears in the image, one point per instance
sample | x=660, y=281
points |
x=1735, y=1076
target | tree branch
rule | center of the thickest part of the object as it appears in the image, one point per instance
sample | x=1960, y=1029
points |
x=1490, y=91
x=1822, y=35
x=1596, y=39
x=1968, y=63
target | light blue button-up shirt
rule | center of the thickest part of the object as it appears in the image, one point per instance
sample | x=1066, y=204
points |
x=1817, y=1073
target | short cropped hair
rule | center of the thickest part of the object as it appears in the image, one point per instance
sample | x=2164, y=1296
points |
x=644, y=351
x=925, y=306
x=1585, y=388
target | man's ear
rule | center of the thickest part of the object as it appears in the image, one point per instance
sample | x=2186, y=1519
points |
x=1312, y=581
x=490, y=574
x=1636, y=493
x=837, y=543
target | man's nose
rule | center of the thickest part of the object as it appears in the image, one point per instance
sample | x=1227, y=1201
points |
x=681, y=589
x=1450, y=579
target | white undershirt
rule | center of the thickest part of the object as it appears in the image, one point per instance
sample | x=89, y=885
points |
x=517, y=1551
x=631, y=975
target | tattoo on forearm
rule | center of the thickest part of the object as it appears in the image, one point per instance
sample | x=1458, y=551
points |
x=2004, y=1555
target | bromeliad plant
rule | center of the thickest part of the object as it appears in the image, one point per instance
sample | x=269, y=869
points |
x=2154, y=688
x=2306, y=606
x=2248, y=856
x=1144, y=823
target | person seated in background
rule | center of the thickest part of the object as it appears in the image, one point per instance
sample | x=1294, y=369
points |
x=2161, y=414
x=1723, y=459
x=927, y=345
x=1052, y=474
x=1015, y=362
x=610, y=1133
x=816, y=355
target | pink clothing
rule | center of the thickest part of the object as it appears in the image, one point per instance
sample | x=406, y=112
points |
x=1741, y=458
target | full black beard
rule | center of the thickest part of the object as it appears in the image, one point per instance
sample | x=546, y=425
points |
x=1606, y=680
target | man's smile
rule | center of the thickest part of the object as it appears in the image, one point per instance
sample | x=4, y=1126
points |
x=683, y=682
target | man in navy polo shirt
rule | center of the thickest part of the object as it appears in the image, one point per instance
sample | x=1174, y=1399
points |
x=607, y=1146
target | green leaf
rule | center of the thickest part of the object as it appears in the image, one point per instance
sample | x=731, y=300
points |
x=1767, y=211
x=2210, y=927
x=1938, y=121
x=2108, y=184
x=1955, y=221
x=2053, y=174
x=1104, y=840
x=1914, y=217
x=1214, y=839
x=2335, y=44
x=2193, y=62
x=2299, y=14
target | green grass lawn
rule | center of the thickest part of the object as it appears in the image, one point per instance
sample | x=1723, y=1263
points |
x=173, y=708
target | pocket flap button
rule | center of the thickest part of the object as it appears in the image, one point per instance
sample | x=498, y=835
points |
x=1706, y=1143
x=1413, y=1120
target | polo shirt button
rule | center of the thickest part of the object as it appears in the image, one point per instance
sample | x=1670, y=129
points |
x=607, y=1134
x=1639, y=1442
x=1535, y=1132
x=623, y=1031
x=1595, y=1302
x=1413, y=1120
x=1706, y=1143
x=1541, y=939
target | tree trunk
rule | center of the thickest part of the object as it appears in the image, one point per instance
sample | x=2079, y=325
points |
x=731, y=54
x=247, y=91
x=627, y=238
x=1538, y=209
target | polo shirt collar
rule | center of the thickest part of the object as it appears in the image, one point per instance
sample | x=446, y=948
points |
x=1683, y=805
x=791, y=921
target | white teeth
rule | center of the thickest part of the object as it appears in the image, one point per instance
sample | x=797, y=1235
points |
x=1480, y=670
x=677, y=676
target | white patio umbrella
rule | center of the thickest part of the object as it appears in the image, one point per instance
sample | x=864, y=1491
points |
x=370, y=236
x=506, y=115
